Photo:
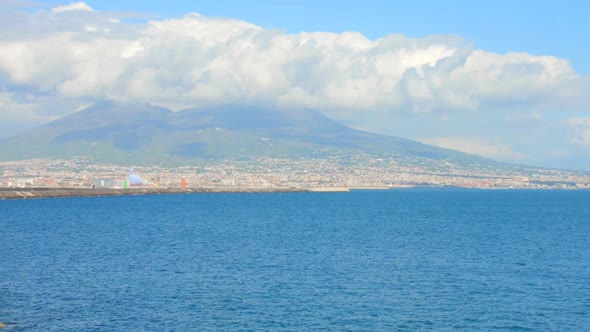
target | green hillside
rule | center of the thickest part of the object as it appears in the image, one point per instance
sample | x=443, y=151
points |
x=144, y=134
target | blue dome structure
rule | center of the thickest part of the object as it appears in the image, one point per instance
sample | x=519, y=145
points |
x=134, y=179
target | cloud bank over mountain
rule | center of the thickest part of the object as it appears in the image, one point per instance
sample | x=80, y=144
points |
x=56, y=60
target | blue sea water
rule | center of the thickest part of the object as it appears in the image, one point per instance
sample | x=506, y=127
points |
x=395, y=260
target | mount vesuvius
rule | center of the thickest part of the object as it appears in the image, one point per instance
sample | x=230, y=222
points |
x=121, y=133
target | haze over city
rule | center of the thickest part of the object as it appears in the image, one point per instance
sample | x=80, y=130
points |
x=502, y=80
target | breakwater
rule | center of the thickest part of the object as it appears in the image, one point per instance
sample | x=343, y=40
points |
x=24, y=193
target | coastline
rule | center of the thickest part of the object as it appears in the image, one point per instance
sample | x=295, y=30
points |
x=31, y=193
x=45, y=192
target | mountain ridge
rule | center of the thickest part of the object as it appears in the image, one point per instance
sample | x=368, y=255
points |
x=143, y=133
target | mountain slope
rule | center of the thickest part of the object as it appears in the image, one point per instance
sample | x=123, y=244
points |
x=132, y=133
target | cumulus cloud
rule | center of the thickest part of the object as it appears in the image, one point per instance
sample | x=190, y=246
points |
x=197, y=60
x=476, y=146
x=73, y=6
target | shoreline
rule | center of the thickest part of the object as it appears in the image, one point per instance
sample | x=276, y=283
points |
x=45, y=192
x=33, y=193
x=7, y=193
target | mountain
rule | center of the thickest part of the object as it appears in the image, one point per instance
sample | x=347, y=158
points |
x=145, y=134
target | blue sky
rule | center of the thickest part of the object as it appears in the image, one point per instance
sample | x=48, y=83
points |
x=559, y=28
x=509, y=80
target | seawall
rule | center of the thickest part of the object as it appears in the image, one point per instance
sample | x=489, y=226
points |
x=25, y=193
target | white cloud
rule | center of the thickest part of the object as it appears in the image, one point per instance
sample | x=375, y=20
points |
x=524, y=117
x=576, y=122
x=476, y=146
x=13, y=111
x=23, y=111
x=581, y=130
x=73, y=6
x=198, y=60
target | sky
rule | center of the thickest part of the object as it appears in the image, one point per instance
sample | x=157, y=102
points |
x=509, y=80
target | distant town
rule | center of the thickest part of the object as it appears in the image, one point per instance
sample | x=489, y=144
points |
x=337, y=173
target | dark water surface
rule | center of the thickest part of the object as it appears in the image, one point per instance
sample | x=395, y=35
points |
x=396, y=260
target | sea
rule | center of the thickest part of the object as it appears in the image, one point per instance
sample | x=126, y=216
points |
x=384, y=260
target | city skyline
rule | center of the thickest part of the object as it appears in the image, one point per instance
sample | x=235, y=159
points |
x=519, y=97
x=338, y=173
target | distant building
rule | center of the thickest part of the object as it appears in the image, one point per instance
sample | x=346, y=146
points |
x=134, y=179
x=22, y=182
x=103, y=182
